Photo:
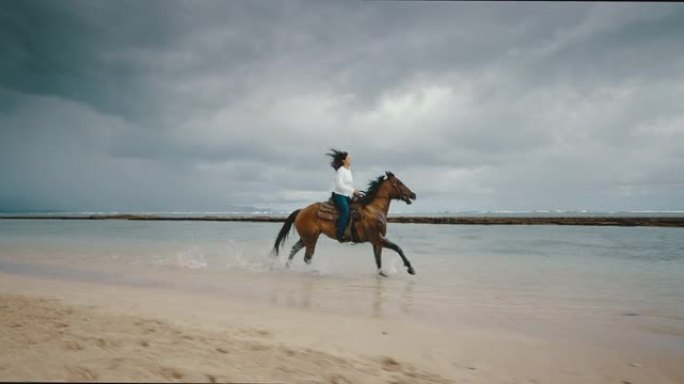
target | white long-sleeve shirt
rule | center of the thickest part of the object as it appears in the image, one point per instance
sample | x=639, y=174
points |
x=343, y=182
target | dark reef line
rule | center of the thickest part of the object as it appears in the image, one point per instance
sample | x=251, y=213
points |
x=459, y=220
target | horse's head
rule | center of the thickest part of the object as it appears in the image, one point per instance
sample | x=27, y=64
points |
x=399, y=190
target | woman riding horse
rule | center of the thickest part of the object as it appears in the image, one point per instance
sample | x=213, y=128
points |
x=371, y=227
x=343, y=190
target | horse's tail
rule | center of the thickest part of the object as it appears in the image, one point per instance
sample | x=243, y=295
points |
x=284, y=231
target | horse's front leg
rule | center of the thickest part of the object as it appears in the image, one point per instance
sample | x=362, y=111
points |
x=388, y=244
x=377, y=250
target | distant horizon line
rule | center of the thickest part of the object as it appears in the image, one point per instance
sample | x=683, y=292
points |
x=287, y=211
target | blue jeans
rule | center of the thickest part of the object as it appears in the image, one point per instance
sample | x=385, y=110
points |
x=342, y=203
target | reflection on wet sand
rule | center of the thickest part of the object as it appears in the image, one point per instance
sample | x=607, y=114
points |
x=294, y=293
x=377, y=297
x=407, y=295
x=385, y=289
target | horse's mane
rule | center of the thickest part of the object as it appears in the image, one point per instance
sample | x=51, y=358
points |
x=373, y=188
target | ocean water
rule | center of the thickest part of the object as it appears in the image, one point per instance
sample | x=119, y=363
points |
x=615, y=284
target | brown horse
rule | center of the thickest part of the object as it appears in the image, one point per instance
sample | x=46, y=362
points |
x=371, y=227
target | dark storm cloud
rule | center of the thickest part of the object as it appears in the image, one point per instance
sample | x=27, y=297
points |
x=205, y=105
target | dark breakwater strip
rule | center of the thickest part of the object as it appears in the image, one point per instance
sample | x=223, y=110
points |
x=634, y=221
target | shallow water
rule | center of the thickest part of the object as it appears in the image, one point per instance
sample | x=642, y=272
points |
x=615, y=284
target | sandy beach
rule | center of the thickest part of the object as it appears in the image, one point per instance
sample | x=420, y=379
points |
x=49, y=339
x=55, y=330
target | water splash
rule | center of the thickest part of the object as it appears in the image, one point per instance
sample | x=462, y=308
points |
x=192, y=258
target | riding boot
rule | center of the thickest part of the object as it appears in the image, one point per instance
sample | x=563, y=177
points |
x=347, y=233
x=340, y=236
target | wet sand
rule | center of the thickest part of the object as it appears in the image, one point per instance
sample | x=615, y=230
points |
x=60, y=330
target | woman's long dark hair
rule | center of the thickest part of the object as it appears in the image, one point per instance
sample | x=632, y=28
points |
x=337, y=158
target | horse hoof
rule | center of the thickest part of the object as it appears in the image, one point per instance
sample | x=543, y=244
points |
x=383, y=274
x=411, y=271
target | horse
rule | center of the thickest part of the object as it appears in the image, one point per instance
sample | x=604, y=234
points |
x=371, y=227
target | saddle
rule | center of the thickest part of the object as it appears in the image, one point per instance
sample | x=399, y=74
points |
x=328, y=211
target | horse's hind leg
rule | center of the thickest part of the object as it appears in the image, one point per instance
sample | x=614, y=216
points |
x=295, y=248
x=310, y=243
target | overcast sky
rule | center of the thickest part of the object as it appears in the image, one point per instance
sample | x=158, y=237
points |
x=207, y=106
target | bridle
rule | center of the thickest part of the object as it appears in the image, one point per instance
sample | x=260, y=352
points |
x=402, y=196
